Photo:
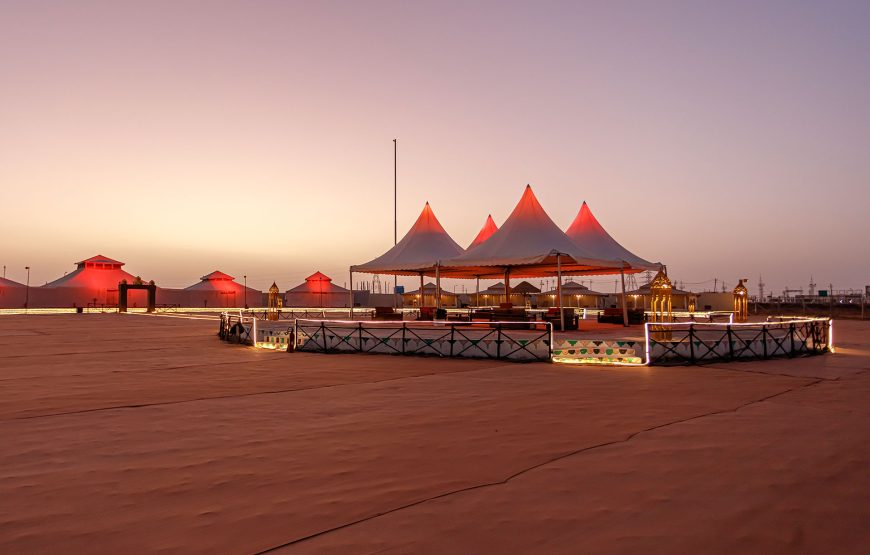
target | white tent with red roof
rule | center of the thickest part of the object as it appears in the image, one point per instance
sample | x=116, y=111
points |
x=317, y=291
x=218, y=289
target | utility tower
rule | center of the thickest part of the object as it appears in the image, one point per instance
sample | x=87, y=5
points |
x=760, y=288
x=812, y=287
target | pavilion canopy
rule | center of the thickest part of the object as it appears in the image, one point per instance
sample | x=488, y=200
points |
x=485, y=232
x=592, y=237
x=9, y=283
x=528, y=244
x=318, y=283
x=418, y=251
x=573, y=288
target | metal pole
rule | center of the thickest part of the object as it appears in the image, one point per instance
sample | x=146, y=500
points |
x=559, y=292
x=350, y=293
x=624, y=303
x=395, y=209
x=27, y=288
x=507, y=286
x=477, y=293
x=246, y=292
x=437, y=285
x=422, y=292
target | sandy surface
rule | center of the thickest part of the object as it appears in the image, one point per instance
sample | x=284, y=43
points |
x=144, y=434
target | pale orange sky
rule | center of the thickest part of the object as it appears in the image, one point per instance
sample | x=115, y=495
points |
x=256, y=137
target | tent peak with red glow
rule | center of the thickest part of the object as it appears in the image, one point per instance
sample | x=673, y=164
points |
x=318, y=276
x=485, y=232
x=217, y=275
x=590, y=235
x=99, y=259
x=424, y=244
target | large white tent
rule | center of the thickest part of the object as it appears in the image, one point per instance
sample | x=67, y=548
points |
x=418, y=251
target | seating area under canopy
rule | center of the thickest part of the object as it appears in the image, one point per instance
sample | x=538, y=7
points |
x=528, y=245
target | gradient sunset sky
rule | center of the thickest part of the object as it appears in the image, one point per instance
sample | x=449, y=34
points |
x=255, y=137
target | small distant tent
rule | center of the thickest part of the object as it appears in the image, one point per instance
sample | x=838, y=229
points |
x=485, y=232
x=218, y=289
x=574, y=295
x=413, y=298
x=522, y=293
x=642, y=298
x=317, y=291
x=591, y=236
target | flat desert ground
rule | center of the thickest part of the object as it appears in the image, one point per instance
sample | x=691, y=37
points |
x=145, y=434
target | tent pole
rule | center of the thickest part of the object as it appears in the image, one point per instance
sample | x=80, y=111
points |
x=438, y=285
x=477, y=296
x=507, y=286
x=559, y=287
x=350, y=294
x=422, y=292
x=624, y=303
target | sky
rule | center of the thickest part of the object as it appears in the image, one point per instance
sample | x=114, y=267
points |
x=728, y=140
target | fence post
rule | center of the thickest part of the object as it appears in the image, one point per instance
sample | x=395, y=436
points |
x=359, y=336
x=692, y=343
x=323, y=334
x=730, y=343
x=791, y=339
x=452, y=335
x=764, y=339
x=404, y=327
x=498, y=341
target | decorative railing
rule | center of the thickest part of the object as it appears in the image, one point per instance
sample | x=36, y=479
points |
x=704, y=343
x=491, y=340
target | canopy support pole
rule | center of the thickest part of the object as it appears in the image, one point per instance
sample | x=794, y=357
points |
x=422, y=292
x=477, y=296
x=507, y=286
x=350, y=294
x=438, y=284
x=624, y=303
x=559, y=287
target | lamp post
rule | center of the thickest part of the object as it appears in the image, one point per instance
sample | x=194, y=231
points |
x=27, y=288
x=245, y=294
x=395, y=209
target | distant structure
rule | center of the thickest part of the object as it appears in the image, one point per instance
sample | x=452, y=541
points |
x=218, y=289
x=317, y=291
x=94, y=282
x=741, y=302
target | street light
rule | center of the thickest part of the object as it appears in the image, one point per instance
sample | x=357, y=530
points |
x=246, y=292
x=27, y=288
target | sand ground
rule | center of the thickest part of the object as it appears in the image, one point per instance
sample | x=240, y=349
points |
x=145, y=434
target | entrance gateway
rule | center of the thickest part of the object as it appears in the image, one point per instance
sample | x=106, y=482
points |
x=137, y=284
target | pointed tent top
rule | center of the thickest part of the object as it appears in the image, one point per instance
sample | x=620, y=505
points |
x=317, y=276
x=485, y=232
x=590, y=235
x=217, y=275
x=425, y=244
x=274, y=288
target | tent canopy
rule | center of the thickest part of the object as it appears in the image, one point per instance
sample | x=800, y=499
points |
x=573, y=288
x=485, y=232
x=594, y=239
x=220, y=282
x=9, y=283
x=522, y=288
x=529, y=244
x=424, y=244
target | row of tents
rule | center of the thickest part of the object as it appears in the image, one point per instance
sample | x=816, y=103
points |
x=528, y=245
x=95, y=282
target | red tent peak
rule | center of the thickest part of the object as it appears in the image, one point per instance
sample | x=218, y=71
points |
x=217, y=276
x=528, y=207
x=428, y=222
x=100, y=259
x=585, y=222
x=485, y=232
x=317, y=276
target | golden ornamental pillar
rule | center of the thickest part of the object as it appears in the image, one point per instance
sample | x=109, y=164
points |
x=274, y=303
x=741, y=302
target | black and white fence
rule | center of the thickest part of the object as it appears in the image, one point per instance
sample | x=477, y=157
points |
x=704, y=343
